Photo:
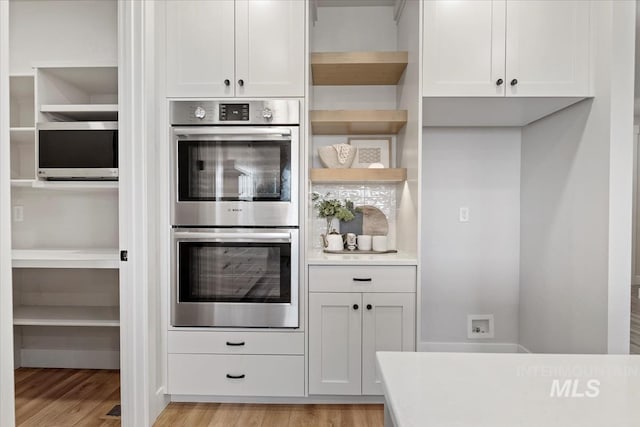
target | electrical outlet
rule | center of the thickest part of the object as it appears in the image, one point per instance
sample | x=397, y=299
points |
x=464, y=214
x=18, y=213
x=480, y=326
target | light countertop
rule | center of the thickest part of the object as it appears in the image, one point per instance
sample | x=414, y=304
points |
x=318, y=257
x=509, y=390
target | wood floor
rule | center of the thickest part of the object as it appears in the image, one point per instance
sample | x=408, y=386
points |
x=253, y=415
x=66, y=397
x=635, y=320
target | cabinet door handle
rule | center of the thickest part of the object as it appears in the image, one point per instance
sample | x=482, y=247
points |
x=241, y=82
x=227, y=82
x=362, y=279
x=235, y=344
x=355, y=306
x=235, y=377
x=514, y=82
x=369, y=306
x=499, y=82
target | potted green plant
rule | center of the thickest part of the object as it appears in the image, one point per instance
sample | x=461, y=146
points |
x=329, y=208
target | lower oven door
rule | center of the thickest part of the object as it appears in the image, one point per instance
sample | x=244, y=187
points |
x=235, y=278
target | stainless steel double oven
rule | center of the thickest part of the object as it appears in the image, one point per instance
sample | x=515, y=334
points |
x=235, y=189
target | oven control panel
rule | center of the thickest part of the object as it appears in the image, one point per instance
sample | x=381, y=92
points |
x=208, y=112
x=234, y=112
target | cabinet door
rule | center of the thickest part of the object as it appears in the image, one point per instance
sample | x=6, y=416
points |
x=388, y=324
x=335, y=322
x=200, y=48
x=270, y=48
x=464, y=48
x=548, y=48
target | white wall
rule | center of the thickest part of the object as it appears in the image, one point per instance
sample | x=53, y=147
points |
x=62, y=30
x=565, y=200
x=470, y=268
x=576, y=207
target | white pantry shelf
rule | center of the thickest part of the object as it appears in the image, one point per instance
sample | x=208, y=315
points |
x=64, y=185
x=75, y=185
x=82, y=111
x=65, y=258
x=24, y=183
x=66, y=316
x=22, y=135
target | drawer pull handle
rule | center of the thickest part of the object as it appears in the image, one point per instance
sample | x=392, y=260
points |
x=235, y=377
x=360, y=279
x=235, y=344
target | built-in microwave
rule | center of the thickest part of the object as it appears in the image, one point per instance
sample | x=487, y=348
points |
x=78, y=150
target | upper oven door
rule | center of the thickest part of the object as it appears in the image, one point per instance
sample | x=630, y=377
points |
x=235, y=176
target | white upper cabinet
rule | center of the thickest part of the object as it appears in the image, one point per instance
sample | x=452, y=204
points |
x=243, y=48
x=270, y=48
x=506, y=48
x=200, y=48
x=464, y=48
x=548, y=48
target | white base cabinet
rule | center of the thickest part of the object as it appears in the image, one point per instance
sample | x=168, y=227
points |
x=335, y=349
x=347, y=328
x=242, y=363
x=236, y=375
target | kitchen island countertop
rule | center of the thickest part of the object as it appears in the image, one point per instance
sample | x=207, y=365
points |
x=509, y=390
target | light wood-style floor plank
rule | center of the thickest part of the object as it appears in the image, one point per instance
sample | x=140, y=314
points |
x=259, y=415
x=66, y=397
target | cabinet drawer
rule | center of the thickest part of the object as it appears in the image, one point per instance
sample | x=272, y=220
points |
x=360, y=278
x=209, y=374
x=236, y=342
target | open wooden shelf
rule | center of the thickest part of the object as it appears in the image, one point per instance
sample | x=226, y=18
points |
x=357, y=175
x=65, y=258
x=66, y=316
x=358, y=68
x=82, y=111
x=357, y=122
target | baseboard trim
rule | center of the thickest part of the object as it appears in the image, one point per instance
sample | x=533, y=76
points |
x=283, y=400
x=159, y=402
x=71, y=359
x=465, y=347
x=523, y=349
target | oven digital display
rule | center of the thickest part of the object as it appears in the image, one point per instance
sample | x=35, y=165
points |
x=234, y=112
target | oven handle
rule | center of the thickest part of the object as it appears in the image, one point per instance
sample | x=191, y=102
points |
x=245, y=237
x=203, y=130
